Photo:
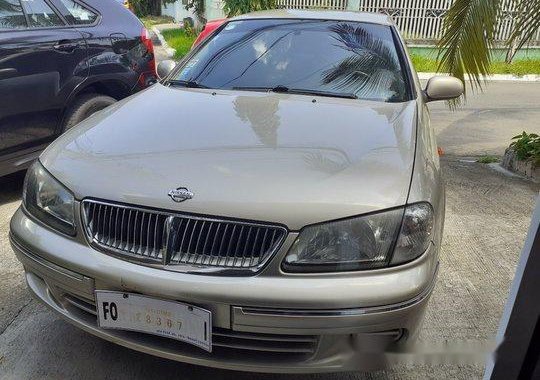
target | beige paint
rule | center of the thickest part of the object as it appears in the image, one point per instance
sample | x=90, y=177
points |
x=288, y=159
x=443, y=88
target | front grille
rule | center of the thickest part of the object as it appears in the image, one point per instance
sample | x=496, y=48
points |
x=133, y=231
x=289, y=344
x=178, y=240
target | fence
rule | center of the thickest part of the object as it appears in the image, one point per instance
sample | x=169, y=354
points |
x=418, y=20
x=315, y=4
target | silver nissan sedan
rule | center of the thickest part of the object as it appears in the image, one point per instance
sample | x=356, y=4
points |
x=274, y=204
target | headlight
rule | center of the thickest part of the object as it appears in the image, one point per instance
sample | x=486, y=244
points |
x=46, y=199
x=415, y=235
x=364, y=242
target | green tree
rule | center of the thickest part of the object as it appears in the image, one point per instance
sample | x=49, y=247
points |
x=198, y=9
x=148, y=7
x=469, y=33
x=238, y=7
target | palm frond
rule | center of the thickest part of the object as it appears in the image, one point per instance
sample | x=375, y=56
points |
x=372, y=65
x=527, y=24
x=468, y=33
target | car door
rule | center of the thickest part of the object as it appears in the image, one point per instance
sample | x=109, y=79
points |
x=42, y=59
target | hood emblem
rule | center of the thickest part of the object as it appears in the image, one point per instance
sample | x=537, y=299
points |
x=180, y=194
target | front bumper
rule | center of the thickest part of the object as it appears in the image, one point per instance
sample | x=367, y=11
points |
x=265, y=323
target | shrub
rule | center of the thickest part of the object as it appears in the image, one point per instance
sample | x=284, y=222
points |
x=238, y=7
x=527, y=147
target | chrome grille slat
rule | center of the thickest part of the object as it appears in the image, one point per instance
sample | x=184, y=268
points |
x=155, y=247
x=179, y=241
x=266, y=337
x=231, y=239
x=120, y=242
x=110, y=214
x=98, y=222
x=188, y=249
x=221, y=243
x=245, y=246
x=265, y=348
x=140, y=249
x=254, y=246
x=116, y=212
x=135, y=229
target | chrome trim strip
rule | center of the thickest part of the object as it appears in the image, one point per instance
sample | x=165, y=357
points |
x=341, y=312
x=46, y=263
x=183, y=268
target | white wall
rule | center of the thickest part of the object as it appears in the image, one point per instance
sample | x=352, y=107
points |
x=178, y=11
x=214, y=9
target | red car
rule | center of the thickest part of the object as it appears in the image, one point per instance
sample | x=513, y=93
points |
x=208, y=28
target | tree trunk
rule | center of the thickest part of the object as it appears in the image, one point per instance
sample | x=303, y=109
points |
x=155, y=7
x=511, y=52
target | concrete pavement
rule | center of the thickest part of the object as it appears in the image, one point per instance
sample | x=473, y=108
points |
x=488, y=120
x=487, y=218
x=160, y=51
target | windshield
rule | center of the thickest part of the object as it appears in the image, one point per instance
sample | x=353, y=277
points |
x=321, y=57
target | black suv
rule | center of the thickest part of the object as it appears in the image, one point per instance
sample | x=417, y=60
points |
x=61, y=61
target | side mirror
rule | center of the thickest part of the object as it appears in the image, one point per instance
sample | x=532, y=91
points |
x=165, y=67
x=443, y=88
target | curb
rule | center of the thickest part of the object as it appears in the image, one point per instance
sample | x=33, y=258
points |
x=169, y=50
x=494, y=77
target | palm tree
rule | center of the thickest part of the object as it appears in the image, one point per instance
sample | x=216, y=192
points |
x=370, y=68
x=14, y=15
x=469, y=33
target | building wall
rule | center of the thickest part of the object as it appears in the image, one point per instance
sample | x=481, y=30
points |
x=178, y=11
x=214, y=9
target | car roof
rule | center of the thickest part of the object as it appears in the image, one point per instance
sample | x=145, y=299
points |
x=374, y=18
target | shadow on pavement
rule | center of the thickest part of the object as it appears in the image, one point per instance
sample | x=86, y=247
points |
x=11, y=187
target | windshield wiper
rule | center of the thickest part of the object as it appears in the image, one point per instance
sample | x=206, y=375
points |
x=299, y=91
x=185, y=83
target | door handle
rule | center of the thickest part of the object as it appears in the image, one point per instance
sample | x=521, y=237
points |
x=8, y=73
x=65, y=46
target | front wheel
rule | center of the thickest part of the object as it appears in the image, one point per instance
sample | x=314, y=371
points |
x=84, y=106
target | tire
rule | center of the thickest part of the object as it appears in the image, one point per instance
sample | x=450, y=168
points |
x=84, y=106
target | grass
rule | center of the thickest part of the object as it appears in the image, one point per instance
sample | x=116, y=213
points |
x=150, y=21
x=518, y=67
x=424, y=64
x=488, y=159
x=180, y=40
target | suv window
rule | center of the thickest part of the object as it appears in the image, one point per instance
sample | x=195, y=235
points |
x=81, y=15
x=339, y=58
x=11, y=15
x=40, y=14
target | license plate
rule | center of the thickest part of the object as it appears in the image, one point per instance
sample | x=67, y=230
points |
x=135, y=312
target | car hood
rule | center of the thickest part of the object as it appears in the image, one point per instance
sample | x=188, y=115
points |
x=289, y=159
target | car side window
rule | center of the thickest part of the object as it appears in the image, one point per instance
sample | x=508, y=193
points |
x=81, y=15
x=11, y=15
x=40, y=14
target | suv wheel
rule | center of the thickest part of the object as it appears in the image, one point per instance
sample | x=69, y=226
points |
x=84, y=106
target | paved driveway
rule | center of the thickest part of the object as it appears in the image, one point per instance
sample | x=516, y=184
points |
x=487, y=218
